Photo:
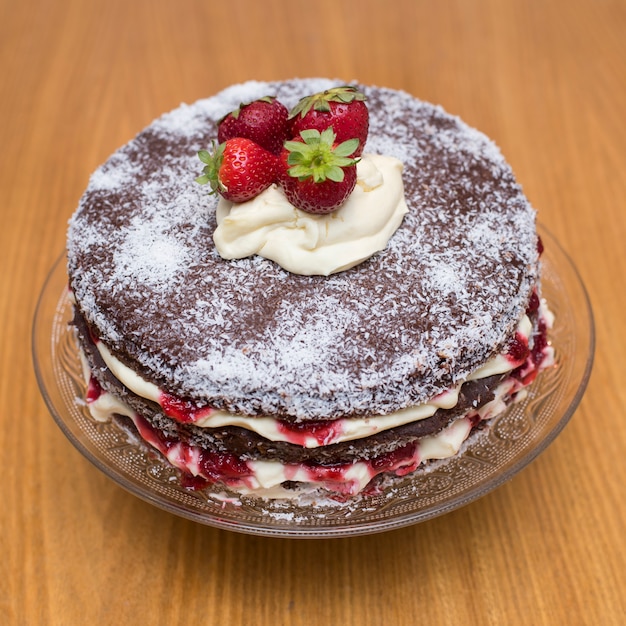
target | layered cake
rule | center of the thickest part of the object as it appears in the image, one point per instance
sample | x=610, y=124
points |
x=273, y=353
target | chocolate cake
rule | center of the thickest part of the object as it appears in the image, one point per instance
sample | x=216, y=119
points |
x=271, y=383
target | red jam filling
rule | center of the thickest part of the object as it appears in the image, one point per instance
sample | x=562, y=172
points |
x=401, y=461
x=533, y=303
x=517, y=351
x=94, y=390
x=212, y=466
x=183, y=411
x=323, y=432
x=527, y=371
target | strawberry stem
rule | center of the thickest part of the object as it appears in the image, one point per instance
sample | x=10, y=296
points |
x=318, y=157
x=320, y=101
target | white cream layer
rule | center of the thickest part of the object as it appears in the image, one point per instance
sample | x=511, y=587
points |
x=343, y=429
x=307, y=244
x=266, y=477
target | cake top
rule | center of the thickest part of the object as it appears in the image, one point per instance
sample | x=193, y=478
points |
x=249, y=337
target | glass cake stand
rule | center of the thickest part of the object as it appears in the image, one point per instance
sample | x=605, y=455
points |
x=489, y=459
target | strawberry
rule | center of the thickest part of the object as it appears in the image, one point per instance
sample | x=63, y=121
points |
x=263, y=120
x=317, y=173
x=343, y=108
x=238, y=169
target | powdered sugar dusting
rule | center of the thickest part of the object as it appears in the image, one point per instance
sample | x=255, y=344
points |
x=250, y=337
x=152, y=256
x=116, y=172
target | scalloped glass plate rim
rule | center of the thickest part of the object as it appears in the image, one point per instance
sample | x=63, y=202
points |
x=557, y=267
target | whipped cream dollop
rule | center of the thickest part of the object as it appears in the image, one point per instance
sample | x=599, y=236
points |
x=307, y=244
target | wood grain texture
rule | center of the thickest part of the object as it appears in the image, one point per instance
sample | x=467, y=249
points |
x=546, y=80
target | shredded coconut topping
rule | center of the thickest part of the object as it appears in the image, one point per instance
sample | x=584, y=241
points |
x=251, y=338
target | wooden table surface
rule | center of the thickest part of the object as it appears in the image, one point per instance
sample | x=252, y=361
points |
x=546, y=80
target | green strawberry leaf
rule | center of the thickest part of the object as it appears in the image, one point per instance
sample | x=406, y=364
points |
x=347, y=147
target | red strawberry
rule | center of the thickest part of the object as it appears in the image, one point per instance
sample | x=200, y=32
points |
x=264, y=121
x=343, y=108
x=238, y=169
x=316, y=172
